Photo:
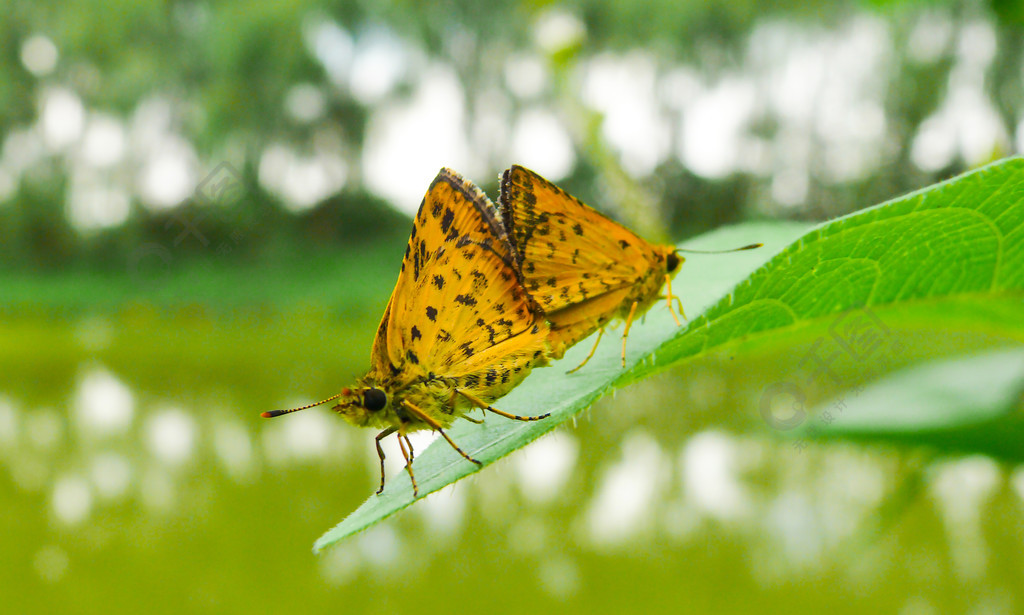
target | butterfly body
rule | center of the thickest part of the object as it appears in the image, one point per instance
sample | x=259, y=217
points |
x=437, y=396
x=583, y=269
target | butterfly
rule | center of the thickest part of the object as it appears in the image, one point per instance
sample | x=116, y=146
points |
x=582, y=268
x=458, y=333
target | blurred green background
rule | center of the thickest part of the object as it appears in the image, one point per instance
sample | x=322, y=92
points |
x=203, y=207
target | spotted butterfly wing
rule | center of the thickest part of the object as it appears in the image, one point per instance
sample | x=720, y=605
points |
x=458, y=309
x=582, y=268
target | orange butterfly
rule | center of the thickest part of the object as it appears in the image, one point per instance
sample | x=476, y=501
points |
x=459, y=331
x=582, y=268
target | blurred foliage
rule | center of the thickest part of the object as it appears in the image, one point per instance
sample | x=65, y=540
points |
x=228, y=68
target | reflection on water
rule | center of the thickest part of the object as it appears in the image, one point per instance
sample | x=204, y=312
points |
x=962, y=491
x=72, y=499
x=544, y=468
x=626, y=496
x=708, y=467
x=50, y=563
x=170, y=435
x=136, y=472
x=103, y=406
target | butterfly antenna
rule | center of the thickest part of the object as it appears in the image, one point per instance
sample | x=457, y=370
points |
x=273, y=413
x=748, y=247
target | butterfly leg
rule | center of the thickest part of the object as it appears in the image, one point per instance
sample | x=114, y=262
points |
x=418, y=413
x=669, y=297
x=473, y=420
x=380, y=453
x=402, y=440
x=412, y=455
x=600, y=332
x=625, y=332
x=486, y=406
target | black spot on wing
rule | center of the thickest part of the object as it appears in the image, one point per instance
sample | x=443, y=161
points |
x=416, y=333
x=432, y=313
x=479, y=279
x=446, y=221
x=439, y=281
x=465, y=300
x=417, y=260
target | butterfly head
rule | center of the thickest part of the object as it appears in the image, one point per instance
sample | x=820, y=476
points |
x=673, y=261
x=363, y=405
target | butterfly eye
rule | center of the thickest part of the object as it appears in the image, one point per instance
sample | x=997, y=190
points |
x=374, y=399
x=672, y=262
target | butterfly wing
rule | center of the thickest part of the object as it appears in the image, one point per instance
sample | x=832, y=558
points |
x=380, y=359
x=581, y=267
x=459, y=309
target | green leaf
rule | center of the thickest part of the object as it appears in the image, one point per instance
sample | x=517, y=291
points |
x=938, y=273
x=966, y=404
